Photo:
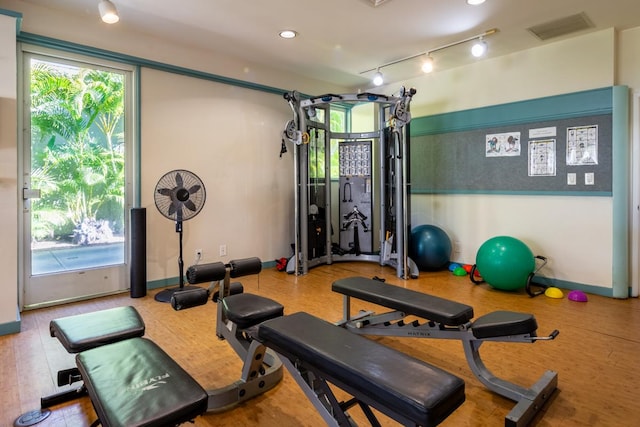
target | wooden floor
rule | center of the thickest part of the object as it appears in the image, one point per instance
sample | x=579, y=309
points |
x=596, y=355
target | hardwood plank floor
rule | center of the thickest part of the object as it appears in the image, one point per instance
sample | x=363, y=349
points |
x=596, y=355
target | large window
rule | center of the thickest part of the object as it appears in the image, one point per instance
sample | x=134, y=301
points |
x=77, y=154
x=337, y=123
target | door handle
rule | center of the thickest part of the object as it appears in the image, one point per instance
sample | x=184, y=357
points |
x=30, y=193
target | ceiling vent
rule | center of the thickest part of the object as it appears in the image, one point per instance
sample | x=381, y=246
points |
x=561, y=27
x=376, y=3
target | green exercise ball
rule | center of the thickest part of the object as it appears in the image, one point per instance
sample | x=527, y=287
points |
x=505, y=263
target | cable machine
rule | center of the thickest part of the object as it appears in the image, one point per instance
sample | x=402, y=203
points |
x=362, y=214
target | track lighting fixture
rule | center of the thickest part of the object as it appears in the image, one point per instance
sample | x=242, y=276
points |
x=427, y=65
x=378, y=78
x=478, y=49
x=108, y=12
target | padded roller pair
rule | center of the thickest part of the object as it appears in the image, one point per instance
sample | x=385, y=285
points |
x=182, y=300
x=217, y=271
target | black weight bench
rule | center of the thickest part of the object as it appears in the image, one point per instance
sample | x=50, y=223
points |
x=448, y=319
x=78, y=333
x=82, y=332
x=316, y=353
x=135, y=383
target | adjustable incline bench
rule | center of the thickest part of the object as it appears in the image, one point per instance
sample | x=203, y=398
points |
x=448, y=319
x=317, y=352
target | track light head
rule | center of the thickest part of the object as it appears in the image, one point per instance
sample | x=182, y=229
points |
x=378, y=79
x=108, y=12
x=427, y=65
x=479, y=48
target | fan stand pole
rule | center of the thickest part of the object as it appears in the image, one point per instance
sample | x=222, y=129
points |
x=165, y=295
x=180, y=261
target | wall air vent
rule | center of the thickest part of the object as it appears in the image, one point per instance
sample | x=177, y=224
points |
x=561, y=27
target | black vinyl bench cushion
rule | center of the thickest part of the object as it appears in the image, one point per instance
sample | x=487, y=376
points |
x=86, y=331
x=446, y=312
x=381, y=377
x=134, y=383
x=246, y=310
x=503, y=323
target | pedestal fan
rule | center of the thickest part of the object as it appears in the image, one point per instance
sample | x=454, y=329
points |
x=179, y=196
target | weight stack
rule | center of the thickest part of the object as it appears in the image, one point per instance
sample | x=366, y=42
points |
x=138, y=261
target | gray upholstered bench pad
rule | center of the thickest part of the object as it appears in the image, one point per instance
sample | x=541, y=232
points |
x=379, y=376
x=135, y=383
x=85, y=331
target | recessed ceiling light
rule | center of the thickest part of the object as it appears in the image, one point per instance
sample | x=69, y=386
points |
x=475, y=2
x=288, y=34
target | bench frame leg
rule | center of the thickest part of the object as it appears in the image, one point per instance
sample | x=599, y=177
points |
x=528, y=401
x=317, y=390
x=261, y=371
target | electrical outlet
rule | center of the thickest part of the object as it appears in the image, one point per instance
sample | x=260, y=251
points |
x=223, y=250
x=198, y=254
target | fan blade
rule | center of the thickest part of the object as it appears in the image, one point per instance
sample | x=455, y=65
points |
x=179, y=181
x=172, y=209
x=164, y=192
x=190, y=205
x=194, y=189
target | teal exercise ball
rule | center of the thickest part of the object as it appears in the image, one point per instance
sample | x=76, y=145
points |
x=505, y=263
x=429, y=247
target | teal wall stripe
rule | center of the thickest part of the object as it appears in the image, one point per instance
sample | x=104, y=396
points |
x=621, y=152
x=578, y=104
x=11, y=327
x=142, y=62
x=517, y=193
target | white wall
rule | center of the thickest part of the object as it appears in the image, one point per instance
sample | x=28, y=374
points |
x=230, y=138
x=574, y=233
x=8, y=171
x=552, y=69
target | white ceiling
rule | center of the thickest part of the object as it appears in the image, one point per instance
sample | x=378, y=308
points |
x=338, y=39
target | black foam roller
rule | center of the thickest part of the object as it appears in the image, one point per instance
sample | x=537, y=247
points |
x=245, y=267
x=206, y=273
x=189, y=298
x=138, y=262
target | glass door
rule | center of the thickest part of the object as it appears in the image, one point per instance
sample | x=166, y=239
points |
x=76, y=143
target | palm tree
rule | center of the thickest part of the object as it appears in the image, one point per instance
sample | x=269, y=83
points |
x=77, y=153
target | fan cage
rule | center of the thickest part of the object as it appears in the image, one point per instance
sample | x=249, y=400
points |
x=179, y=195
